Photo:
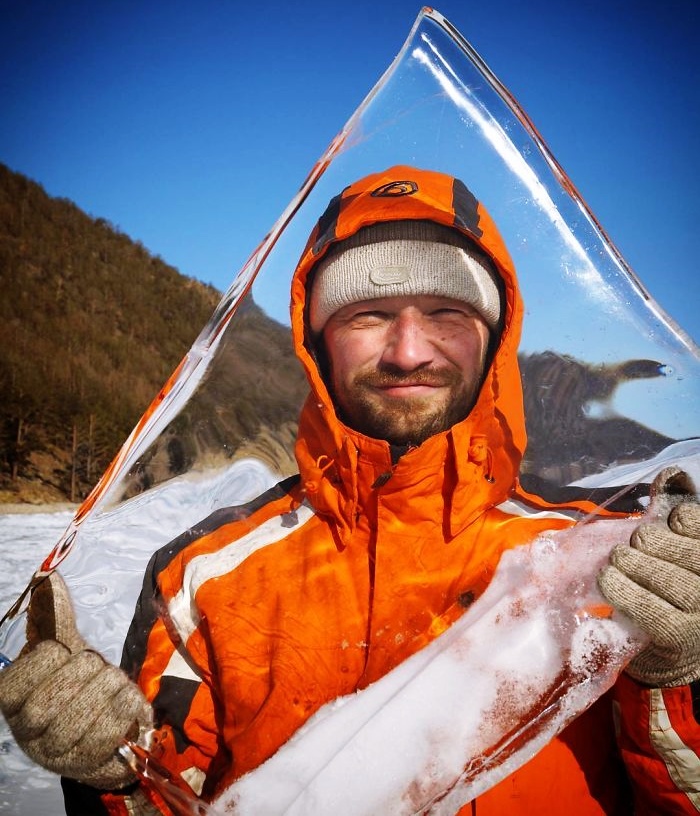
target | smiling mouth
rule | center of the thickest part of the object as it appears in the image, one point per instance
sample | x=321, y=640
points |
x=407, y=389
x=404, y=385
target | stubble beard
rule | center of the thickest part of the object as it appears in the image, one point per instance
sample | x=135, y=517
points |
x=408, y=420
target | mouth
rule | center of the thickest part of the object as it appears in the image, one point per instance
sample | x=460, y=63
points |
x=409, y=389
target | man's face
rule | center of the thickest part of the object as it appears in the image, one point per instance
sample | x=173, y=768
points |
x=405, y=368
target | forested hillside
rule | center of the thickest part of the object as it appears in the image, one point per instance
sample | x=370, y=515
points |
x=91, y=325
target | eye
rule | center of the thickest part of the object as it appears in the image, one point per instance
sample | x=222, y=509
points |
x=446, y=312
x=370, y=316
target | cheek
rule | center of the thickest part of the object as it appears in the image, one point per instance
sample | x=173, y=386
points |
x=470, y=353
x=352, y=353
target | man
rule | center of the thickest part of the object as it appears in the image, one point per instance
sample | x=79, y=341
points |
x=406, y=317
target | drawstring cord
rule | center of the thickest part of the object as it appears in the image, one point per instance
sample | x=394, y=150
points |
x=321, y=465
x=480, y=453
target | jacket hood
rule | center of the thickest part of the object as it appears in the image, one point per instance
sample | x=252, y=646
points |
x=473, y=465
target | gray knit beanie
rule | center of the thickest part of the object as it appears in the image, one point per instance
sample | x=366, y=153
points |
x=395, y=258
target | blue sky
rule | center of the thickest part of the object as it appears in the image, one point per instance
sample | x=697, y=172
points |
x=190, y=125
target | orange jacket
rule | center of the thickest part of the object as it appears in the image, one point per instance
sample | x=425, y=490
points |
x=252, y=621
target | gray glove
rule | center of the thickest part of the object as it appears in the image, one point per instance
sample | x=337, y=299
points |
x=655, y=581
x=69, y=709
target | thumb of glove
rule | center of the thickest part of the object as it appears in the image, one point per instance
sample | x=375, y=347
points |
x=51, y=616
x=52, y=638
x=670, y=488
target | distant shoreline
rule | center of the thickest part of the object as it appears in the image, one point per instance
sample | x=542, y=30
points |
x=15, y=508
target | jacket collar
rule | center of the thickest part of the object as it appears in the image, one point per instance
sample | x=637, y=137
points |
x=458, y=473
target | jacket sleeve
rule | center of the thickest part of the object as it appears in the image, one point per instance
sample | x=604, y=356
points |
x=136, y=800
x=659, y=739
x=186, y=703
x=181, y=689
x=185, y=742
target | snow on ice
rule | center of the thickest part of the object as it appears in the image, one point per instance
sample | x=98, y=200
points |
x=24, y=541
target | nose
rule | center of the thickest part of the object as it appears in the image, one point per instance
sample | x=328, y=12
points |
x=408, y=345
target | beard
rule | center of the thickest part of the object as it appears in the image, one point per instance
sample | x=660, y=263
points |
x=408, y=420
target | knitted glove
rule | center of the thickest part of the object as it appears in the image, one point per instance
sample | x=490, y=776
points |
x=69, y=709
x=655, y=581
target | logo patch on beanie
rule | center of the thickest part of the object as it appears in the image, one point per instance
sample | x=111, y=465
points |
x=386, y=275
x=394, y=189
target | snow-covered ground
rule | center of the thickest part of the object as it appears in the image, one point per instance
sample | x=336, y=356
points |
x=104, y=572
x=25, y=789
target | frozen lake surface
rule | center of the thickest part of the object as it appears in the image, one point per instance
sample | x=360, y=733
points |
x=104, y=572
x=25, y=538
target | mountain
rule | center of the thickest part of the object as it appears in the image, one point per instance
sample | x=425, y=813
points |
x=572, y=428
x=247, y=404
x=91, y=325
